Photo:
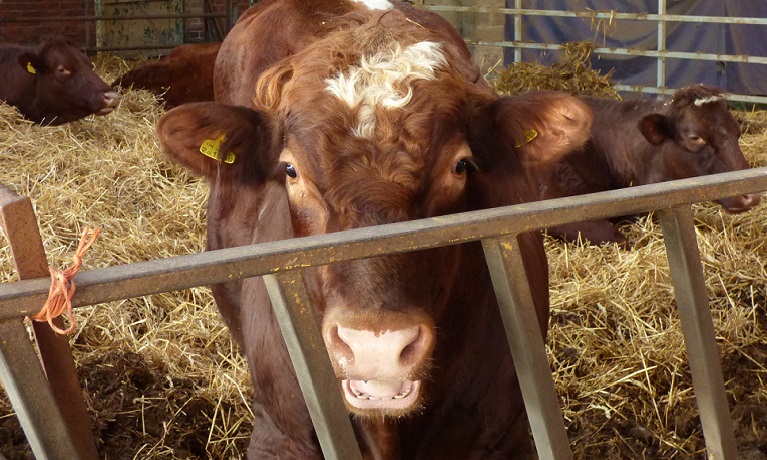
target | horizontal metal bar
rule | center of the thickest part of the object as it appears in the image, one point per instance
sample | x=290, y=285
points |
x=668, y=91
x=760, y=60
x=113, y=17
x=165, y=46
x=589, y=14
x=631, y=52
x=180, y=272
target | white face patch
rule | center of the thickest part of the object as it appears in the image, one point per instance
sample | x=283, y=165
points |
x=379, y=80
x=376, y=4
x=706, y=100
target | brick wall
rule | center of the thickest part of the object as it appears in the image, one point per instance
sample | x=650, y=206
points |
x=31, y=32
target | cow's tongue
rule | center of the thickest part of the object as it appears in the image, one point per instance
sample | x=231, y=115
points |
x=381, y=394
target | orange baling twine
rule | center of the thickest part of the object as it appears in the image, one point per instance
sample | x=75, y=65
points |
x=63, y=288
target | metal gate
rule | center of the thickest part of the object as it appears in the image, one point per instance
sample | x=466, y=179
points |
x=49, y=432
x=661, y=19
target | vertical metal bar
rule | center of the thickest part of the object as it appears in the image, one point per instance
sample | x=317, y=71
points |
x=661, y=79
x=698, y=329
x=310, y=359
x=31, y=396
x=17, y=219
x=230, y=16
x=527, y=348
x=517, y=31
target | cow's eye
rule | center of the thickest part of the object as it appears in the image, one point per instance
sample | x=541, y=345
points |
x=695, y=139
x=290, y=170
x=460, y=167
x=61, y=70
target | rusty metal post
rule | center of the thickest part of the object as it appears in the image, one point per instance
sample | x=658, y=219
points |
x=698, y=330
x=17, y=219
x=507, y=271
x=310, y=359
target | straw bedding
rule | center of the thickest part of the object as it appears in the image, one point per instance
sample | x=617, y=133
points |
x=163, y=381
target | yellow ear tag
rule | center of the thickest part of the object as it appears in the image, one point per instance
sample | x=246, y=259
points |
x=31, y=68
x=530, y=134
x=210, y=148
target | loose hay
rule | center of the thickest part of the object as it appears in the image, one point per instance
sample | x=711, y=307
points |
x=573, y=75
x=160, y=374
x=162, y=379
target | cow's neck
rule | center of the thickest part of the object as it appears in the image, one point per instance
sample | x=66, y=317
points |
x=379, y=438
x=19, y=86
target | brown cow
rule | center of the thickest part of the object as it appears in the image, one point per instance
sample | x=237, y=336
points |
x=184, y=75
x=53, y=83
x=647, y=141
x=335, y=115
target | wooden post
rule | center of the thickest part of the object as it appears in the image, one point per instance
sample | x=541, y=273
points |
x=18, y=221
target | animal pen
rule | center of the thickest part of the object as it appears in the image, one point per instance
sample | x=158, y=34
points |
x=280, y=262
x=51, y=414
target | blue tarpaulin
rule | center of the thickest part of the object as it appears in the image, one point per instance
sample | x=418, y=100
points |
x=741, y=39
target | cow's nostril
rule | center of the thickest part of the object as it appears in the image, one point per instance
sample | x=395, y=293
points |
x=111, y=99
x=341, y=349
x=412, y=352
x=377, y=355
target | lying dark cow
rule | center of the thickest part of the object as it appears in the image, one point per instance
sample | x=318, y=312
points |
x=351, y=114
x=53, y=83
x=184, y=75
x=644, y=142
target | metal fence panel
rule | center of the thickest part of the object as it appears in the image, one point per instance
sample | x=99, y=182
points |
x=283, y=260
x=661, y=53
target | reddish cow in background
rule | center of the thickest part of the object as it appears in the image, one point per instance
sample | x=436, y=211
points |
x=184, y=75
x=333, y=115
x=644, y=142
x=53, y=83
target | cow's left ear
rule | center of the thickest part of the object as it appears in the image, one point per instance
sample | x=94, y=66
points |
x=656, y=128
x=31, y=62
x=540, y=127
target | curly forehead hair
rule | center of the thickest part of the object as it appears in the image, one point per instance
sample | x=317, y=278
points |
x=697, y=94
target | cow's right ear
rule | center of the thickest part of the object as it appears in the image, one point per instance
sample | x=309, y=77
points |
x=656, y=128
x=214, y=139
x=31, y=63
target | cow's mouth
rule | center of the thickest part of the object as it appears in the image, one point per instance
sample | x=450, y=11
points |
x=105, y=111
x=381, y=395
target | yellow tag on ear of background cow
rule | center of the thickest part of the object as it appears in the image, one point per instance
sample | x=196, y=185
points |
x=30, y=68
x=530, y=134
x=211, y=148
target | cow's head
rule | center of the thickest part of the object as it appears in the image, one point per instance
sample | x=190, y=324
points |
x=697, y=136
x=66, y=87
x=369, y=137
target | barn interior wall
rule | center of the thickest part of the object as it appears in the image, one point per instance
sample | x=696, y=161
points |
x=199, y=30
x=83, y=32
x=486, y=27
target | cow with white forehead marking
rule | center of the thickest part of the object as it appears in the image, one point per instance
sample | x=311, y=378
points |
x=335, y=115
x=639, y=142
